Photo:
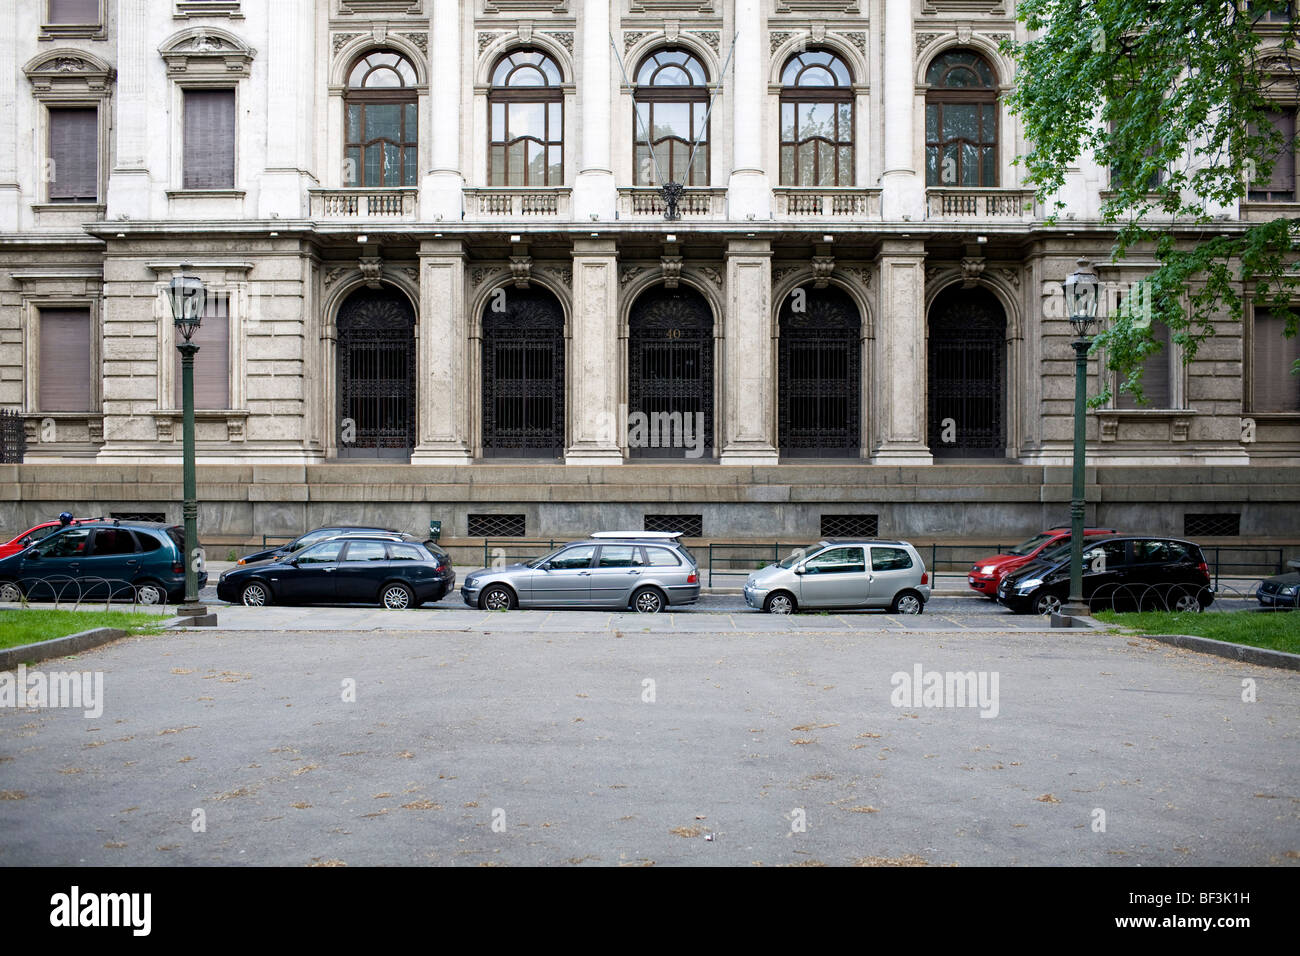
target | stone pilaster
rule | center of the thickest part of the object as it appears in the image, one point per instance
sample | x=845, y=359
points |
x=749, y=388
x=9, y=189
x=748, y=190
x=903, y=195
x=900, y=353
x=290, y=92
x=593, y=364
x=594, y=192
x=441, y=196
x=129, y=183
x=442, y=410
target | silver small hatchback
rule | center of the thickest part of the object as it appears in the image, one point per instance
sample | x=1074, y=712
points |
x=843, y=573
x=645, y=571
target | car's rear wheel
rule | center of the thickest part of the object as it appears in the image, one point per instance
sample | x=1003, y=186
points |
x=1045, y=602
x=397, y=597
x=497, y=598
x=1185, y=602
x=150, y=593
x=648, y=601
x=907, y=602
x=255, y=594
x=781, y=602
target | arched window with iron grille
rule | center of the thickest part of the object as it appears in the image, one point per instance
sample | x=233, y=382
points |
x=819, y=374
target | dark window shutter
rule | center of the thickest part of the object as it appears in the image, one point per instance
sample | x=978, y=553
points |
x=209, y=139
x=65, y=375
x=74, y=152
x=1275, y=388
x=212, y=363
x=1155, y=374
x=74, y=11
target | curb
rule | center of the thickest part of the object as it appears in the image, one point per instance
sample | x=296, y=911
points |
x=58, y=647
x=1239, y=652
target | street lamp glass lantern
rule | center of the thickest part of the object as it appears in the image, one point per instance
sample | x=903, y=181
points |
x=187, y=297
x=1081, y=298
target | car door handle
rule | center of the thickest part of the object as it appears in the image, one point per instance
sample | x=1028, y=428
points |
x=328, y=570
x=634, y=572
x=583, y=573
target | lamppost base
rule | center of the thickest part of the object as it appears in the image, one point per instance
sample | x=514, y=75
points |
x=195, y=615
x=1067, y=615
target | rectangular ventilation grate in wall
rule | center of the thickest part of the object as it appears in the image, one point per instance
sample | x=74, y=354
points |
x=850, y=526
x=690, y=526
x=1212, y=526
x=496, y=526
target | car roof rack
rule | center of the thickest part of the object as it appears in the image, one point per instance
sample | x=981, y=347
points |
x=642, y=535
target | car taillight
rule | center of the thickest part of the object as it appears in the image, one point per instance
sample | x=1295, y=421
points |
x=178, y=569
x=925, y=577
x=692, y=578
x=1203, y=568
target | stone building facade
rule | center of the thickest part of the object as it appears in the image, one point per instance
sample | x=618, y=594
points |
x=442, y=282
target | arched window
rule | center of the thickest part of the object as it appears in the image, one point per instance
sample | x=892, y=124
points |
x=380, y=126
x=526, y=108
x=672, y=97
x=816, y=121
x=961, y=121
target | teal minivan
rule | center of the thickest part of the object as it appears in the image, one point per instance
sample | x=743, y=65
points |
x=135, y=561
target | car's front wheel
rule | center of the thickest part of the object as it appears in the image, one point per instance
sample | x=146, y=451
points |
x=780, y=602
x=10, y=591
x=497, y=598
x=1045, y=602
x=397, y=597
x=255, y=594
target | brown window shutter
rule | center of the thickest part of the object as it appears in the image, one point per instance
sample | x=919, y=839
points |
x=74, y=151
x=74, y=11
x=209, y=139
x=212, y=363
x=65, y=374
x=1155, y=374
x=1275, y=389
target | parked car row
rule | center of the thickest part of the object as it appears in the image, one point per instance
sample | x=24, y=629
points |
x=647, y=571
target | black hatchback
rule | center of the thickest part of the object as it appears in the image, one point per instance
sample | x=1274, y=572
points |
x=1135, y=572
x=348, y=569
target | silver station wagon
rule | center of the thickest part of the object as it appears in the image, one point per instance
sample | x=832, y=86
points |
x=647, y=571
x=841, y=573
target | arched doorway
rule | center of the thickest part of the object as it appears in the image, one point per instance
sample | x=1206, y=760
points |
x=819, y=374
x=376, y=375
x=967, y=374
x=670, y=375
x=523, y=374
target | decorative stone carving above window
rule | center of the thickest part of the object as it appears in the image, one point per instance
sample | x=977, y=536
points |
x=818, y=6
x=69, y=73
x=207, y=52
x=207, y=8
x=673, y=6
x=525, y=6
x=368, y=7
x=994, y=7
x=823, y=267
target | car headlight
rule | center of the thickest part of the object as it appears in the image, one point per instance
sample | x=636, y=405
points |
x=1028, y=585
x=471, y=582
x=1289, y=589
x=987, y=569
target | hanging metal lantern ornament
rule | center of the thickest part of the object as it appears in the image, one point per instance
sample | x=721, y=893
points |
x=672, y=193
x=188, y=297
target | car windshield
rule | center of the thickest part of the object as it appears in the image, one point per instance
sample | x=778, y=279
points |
x=538, y=562
x=795, y=556
x=1030, y=546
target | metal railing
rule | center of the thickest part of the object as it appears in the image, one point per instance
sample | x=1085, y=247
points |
x=493, y=550
x=268, y=538
x=13, y=437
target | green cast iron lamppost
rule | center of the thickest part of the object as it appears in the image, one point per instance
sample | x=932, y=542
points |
x=188, y=297
x=1081, y=306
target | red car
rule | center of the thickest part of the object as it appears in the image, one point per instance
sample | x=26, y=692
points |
x=988, y=572
x=32, y=535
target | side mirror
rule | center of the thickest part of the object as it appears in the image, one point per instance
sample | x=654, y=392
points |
x=800, y=569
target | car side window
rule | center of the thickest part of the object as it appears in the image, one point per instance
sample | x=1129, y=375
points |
x=366, y=551
x=619, y=556
x=574, y=557
x=325, y=553
x=70, y=544
x=1104, y=556
x=147, y=541
x=38, y=533
x=836, y=561
x=1150, y=552
x=890, y=559
x=109, y=541
x=662, y=558
x=405, y=552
